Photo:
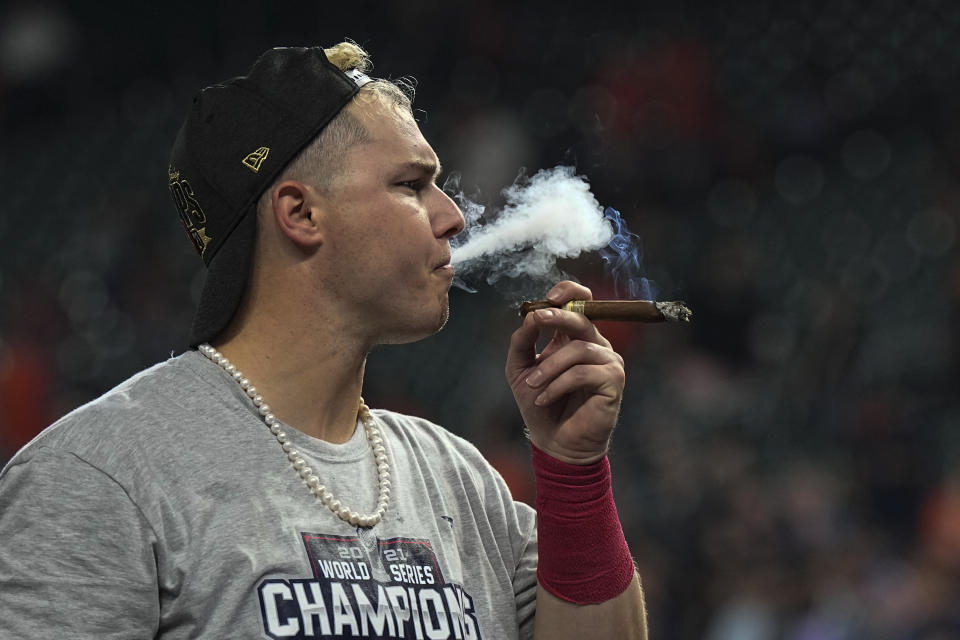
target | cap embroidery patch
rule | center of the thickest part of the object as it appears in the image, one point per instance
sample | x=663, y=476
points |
x=256, y=158
x=192, y=217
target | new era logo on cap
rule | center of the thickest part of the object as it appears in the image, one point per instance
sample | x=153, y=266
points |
x=254, y=159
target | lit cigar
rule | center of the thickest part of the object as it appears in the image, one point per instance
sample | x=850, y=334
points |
x=626, y=310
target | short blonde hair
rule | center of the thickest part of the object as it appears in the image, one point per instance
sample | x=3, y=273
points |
x=320, y=161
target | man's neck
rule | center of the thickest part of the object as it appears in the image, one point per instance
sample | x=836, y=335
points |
x=311, y=382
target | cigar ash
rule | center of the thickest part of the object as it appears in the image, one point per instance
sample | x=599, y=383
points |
x=674, y=310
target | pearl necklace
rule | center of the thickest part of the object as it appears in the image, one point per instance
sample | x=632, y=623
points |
x=300, y=465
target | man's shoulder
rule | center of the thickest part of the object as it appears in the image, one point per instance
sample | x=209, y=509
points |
x=422, y=430
x=431, y=441
x=168, y=385
x=156, y=398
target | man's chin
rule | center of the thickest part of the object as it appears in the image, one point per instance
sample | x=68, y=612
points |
x=442, y=316
x=426, y=330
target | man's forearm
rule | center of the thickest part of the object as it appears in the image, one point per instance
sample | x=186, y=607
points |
x=623, y=617
x=588, y=586
x=569, y=395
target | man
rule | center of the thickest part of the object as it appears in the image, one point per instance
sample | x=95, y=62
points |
x=243, y=489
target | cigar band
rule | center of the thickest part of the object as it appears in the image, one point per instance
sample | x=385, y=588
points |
x=576, y=306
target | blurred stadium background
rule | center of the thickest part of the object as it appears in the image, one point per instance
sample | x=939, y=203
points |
x=786, y=467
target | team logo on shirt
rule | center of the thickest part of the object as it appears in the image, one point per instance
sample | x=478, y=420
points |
x=365, y=587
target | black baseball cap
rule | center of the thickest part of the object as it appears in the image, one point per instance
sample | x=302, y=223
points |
x=237, y=138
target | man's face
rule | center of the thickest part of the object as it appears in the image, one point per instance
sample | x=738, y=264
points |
x=388, y=240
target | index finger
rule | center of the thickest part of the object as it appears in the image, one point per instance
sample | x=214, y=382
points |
x=575, y=325
x=523, y=345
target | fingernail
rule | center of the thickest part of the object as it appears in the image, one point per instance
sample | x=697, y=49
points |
x=541, y=400
x=545, y=313
x=534, y=378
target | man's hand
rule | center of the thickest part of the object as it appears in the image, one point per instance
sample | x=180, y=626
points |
x=569, y=394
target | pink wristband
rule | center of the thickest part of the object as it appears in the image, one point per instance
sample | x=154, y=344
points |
x=583, y=556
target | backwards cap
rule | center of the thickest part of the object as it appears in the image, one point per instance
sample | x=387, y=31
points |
x=238, y=137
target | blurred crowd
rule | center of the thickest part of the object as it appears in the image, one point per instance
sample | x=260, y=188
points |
x=786, y=465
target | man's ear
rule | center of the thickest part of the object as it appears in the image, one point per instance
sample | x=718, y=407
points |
x=296, y=210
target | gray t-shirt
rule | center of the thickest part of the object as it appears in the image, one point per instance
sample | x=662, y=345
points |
x=166, y=509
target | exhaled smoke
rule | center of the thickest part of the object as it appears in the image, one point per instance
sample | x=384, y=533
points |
x=624, y=255
x=550, y=216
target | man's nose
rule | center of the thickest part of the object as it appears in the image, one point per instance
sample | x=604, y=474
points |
x=447, y=218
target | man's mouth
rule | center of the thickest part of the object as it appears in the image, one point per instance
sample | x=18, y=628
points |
x=444, y=263
x=444, y=266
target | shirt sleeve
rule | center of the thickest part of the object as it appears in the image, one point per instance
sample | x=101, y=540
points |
x=525, y=577
x=77, y=557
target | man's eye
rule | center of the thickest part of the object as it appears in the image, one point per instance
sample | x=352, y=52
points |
x=416, y=185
